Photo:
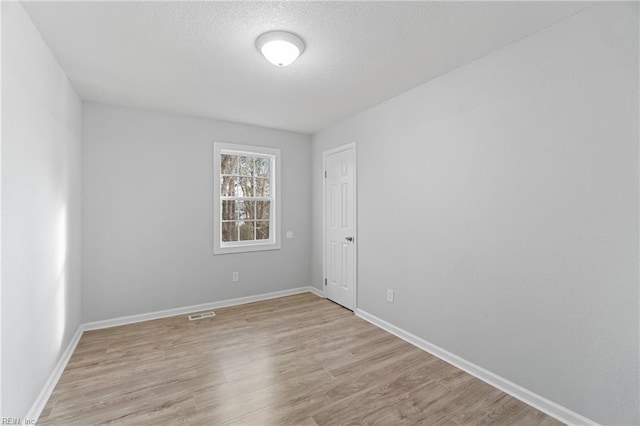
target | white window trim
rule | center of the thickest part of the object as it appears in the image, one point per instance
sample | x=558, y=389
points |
x=274, y=242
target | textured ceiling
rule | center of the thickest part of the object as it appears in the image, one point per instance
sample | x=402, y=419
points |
x=199, y=58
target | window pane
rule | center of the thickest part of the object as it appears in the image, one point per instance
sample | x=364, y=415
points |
x=249, y=210
x=228, y=164
x=262, y=187
x=228, y=210
x=262, y=230
x=229, y=231
x=228, y=186
x=246, y=231
x=241, y=210
x=263, y=166
x=245, y=166
x=262, y=210
x=245, y=187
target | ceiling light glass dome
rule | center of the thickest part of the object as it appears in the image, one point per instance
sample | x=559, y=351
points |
x=280, y=48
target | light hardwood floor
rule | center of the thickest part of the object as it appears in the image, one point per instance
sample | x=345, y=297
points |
x=294, y=360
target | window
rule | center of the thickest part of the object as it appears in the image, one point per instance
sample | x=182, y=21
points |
x=246, y=198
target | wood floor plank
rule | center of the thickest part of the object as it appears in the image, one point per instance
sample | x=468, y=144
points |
x=297, y=360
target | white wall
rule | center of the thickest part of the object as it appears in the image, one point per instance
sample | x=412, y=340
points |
x=147, y=213
x=41, y=129
x=500, y=202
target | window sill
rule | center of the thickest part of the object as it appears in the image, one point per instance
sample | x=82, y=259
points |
x=246, y=248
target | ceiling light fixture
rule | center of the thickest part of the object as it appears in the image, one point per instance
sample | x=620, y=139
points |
x=280, y=48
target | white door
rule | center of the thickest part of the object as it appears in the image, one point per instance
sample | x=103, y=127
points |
x=340, y=225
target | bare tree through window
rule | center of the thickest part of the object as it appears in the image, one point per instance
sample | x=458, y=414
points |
x=245, y=193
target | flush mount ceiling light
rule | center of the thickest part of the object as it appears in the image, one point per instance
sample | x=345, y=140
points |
x=280, y=48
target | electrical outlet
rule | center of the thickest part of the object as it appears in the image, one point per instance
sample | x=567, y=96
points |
x=289, y=234
x=236, y=277
x=389, y=295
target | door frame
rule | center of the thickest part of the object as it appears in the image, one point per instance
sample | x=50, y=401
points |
x=325, y=154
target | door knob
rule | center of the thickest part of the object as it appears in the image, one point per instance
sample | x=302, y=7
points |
x=348, y=238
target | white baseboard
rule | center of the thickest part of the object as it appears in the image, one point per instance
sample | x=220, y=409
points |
x=51, y=382
x=95, y=325
x=546, y=406
x=316, y=291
